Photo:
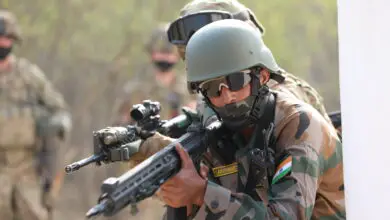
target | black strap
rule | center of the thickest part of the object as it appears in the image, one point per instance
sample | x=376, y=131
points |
x=176, y=213
x=263, y=148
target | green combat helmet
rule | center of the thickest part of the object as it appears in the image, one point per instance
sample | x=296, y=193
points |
x=223, y=49
x=9, y=26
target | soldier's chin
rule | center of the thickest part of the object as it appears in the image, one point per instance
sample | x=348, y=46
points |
x=236, y=123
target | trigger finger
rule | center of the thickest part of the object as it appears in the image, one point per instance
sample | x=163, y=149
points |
x=204, y=170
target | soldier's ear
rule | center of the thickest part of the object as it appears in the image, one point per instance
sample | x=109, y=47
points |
x=264, y=76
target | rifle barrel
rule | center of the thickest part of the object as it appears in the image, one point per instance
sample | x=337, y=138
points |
x=84, y=162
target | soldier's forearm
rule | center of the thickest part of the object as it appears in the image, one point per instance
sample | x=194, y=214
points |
x=223, y=204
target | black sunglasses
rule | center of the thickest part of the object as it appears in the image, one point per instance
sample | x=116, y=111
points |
x=213, y=87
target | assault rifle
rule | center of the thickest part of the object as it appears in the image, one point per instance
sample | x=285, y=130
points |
x=143, y=180
x=113, y=144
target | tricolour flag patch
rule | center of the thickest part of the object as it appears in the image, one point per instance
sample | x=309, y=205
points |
x=283, y=169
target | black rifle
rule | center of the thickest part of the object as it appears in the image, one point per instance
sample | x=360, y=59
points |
x=113, y=144
x=143, y=180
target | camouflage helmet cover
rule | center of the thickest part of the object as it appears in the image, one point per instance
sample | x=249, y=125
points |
x=231, y=6
x=9, y=25
x=224, y=47
x=158, y=40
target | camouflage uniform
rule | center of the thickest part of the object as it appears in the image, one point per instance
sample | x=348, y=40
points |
x=301, y=90
x=26, y=99
x=306, y=180
x=293, y=84
x=314, y=188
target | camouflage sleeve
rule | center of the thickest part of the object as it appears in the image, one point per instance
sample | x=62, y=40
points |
x=51, y=99
x=47, y=94
x=293, y=195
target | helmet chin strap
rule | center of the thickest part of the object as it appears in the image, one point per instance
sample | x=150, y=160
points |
x=259, y=98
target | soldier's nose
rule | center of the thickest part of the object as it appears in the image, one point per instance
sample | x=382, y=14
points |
x=228, y=96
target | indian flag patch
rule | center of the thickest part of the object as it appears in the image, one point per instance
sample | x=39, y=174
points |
x=283, y=169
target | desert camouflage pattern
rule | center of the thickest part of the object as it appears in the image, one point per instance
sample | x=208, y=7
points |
x=144, y=86
x=11, y=27
x=25, y=96
x=313, y=190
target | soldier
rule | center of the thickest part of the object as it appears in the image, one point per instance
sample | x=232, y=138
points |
x=297, y=175
x=33, y=119
x=159, y=81
x=198, y=13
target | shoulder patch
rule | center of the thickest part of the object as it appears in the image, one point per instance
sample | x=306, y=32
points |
x=283, y=169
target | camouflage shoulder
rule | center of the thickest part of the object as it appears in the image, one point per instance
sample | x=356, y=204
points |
x=304, y=91
x=29, y=70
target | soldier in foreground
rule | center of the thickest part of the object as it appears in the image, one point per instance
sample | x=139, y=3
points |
x=199, y=13
x=301, y=177
x=33, y=121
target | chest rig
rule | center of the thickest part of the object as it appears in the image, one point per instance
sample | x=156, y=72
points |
x=255, y=158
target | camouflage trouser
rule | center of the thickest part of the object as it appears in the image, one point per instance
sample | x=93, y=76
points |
x=20, y=193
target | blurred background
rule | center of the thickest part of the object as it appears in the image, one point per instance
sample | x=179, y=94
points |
x=90, y=48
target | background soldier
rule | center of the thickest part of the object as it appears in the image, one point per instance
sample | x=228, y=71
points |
x=158, y=81
x=33, y=121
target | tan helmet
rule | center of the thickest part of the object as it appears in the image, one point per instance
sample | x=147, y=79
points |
x=9, y=25
x=231, y=6
x=158, y=40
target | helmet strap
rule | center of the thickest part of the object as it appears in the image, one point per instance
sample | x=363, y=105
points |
x=262, y=98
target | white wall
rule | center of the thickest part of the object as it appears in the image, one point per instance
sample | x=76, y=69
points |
x=364, y=46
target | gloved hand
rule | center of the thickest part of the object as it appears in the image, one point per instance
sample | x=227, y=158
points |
x=149, y=147
x=62, y=123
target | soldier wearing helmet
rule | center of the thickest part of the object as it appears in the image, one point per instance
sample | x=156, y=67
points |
x=33, y=121
x=158, y=80
x=286, y=162
x=199, y=13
